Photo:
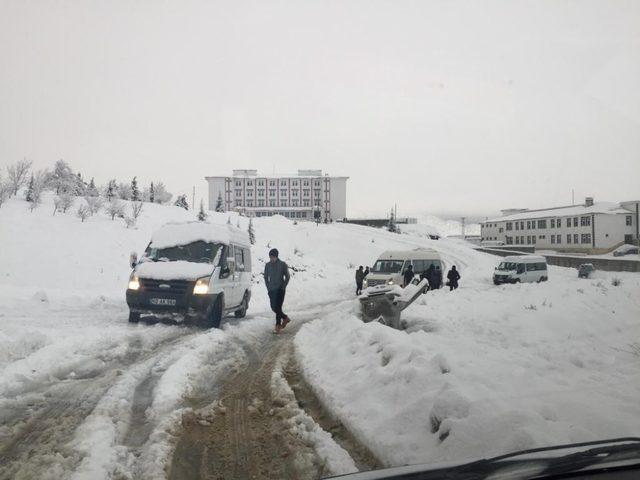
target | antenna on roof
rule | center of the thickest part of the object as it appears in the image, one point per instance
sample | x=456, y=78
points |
x=573, y=197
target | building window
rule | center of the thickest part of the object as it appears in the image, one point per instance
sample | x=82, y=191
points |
x=305, y=193
x=249, y=183
x=575, y=222
x=553, y=224
x=542, y=237
x=261, y=203
x=294, y=183
x=294, y=203
x=261, y=183
x=283, y=193
x=542, y=224
x=283, y=183
x=517, y=226
x=517, y=240
x=303, y=214
x=528, y=239
x=239, y=192
x=533, y=238
x=272, y=183
x=305, y=183
x=568, y=224
x=553, y=238
x=509, y=240
x=272, y=203
x=568, y=235
x=558, y=223
x=585, y=221
x=294, y=193
x=283, y=203
x=249, y=193
x=558, y=239
x=628, y=220
x=249, y=203
x=501, y=229
x=528, y=224
x=575, y=235
x=238, y=183
x=305, y=203
x=509, y=226
x=586, y=238
x=522, y=225
x=317, y=193
x=272, y=192
x=317, y=183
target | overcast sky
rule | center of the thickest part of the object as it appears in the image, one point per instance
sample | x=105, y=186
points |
x=439, y=106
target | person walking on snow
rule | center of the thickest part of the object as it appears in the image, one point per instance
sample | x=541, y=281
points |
x=359, y=280
x=408, y=275
x=429, y=274
x=276, y=279
x=453, y=276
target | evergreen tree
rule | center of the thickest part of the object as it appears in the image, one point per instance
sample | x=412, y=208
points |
x=80, y=188
x=252, y=234
x=202, y=216
x=391, y=226
x=135, y=193
x=28, y=195
x=111, y=189
x=92, y=191
x=219, y=206
x=181, y=201
x=151, y=194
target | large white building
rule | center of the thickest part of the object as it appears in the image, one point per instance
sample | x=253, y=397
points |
x=307, y=195
x=589, y=228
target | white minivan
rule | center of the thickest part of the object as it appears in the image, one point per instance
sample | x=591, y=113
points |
x=194, y=270
x=525, y=268
x=390, y=266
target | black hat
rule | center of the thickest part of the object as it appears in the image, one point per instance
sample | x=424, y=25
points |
x=273, y=252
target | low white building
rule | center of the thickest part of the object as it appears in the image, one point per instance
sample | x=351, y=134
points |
x=307, y=195
x=589, y=228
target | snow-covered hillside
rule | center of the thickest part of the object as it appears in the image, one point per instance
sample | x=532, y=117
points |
x=477, y=371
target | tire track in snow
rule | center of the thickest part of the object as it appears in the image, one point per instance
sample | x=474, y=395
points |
x=46, y=419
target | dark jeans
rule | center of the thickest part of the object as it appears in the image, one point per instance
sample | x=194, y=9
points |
x=358, y=288
x=453, y=285
x=277, y=299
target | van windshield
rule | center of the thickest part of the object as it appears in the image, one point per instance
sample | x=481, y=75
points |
x=387, y=266
x=198, y=252
x=508, y=266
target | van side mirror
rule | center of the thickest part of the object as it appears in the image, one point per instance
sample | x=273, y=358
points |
x=133, y=259
x=225, y=271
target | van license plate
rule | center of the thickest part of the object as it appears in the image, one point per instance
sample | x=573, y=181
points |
x=163, y=301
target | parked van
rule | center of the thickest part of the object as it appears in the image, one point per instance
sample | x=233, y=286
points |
x=391, y=264
x=525, y=268
x=193, y=270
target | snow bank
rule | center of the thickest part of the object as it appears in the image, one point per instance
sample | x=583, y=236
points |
x=483, y=370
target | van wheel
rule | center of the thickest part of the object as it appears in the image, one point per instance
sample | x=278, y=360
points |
x=544, y=279
x=134, y=317
x=242, y=311
x=215, y=317
x=517, y=280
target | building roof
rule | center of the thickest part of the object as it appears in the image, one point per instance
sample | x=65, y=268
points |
x=607, y=208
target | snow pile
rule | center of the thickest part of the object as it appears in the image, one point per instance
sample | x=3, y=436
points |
x=483, y=370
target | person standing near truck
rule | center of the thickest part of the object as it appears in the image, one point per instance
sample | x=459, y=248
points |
x=359, y=280
x=276, y=279
x=453, y=276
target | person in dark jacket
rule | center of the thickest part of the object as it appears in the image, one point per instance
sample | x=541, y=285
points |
x=408, y=275
x=437, y=277
x=429, y=274
x=453, y=276
x=359, y=280
x=276, y=279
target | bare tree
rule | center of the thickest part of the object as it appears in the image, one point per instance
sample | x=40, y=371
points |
x=115, y=208
x=66, y=202
x=136, y=209
x=130, y=222
x=94, y=203
x=83, y=212
x=5, y=190
x=18, y=173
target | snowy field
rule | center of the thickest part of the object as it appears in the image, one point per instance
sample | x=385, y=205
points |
x=478, y=371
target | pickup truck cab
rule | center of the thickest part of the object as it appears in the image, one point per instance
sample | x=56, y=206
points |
x=193, y=270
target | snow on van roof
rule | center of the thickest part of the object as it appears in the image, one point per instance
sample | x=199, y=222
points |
x=524, y=258
x=415, y=253
x=183, y=233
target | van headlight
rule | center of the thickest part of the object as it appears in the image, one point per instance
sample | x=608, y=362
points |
x=390, y=282
x=134, y=283
x=202, y=286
